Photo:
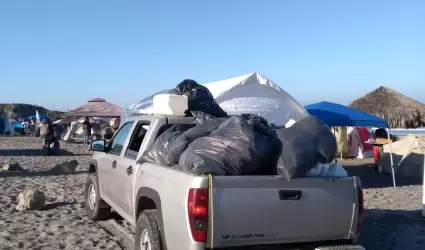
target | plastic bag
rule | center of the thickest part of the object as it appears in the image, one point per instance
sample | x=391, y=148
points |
x=200, y=99
x=242, y=145
x=303, y=145
x=326, y=145
x=298, y=153
x=181, y=142
x=324, y=139
x=161, y=150
x=327, y=170
x=171, y=143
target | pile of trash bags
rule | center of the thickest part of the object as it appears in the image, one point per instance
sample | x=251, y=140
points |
x=245, y=144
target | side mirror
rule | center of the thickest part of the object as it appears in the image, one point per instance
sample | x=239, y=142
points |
x=98, y=145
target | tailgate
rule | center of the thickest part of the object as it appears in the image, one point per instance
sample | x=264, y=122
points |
x=256, y=210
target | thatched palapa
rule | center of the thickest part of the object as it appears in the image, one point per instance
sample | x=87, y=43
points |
x=399, y=110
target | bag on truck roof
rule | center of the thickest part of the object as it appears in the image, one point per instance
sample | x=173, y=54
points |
x=201, y=102
x=304, y=144
x=241, y=145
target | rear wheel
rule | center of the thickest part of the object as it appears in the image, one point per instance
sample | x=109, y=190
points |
x=45, y=150
x=96, y=208
x=148, y=236
x=380, y=170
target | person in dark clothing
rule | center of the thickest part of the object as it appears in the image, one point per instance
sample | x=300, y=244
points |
x=381, y=133
x=87, y=131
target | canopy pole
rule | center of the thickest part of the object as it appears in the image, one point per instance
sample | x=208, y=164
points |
x=391, y=157
x=423, y=189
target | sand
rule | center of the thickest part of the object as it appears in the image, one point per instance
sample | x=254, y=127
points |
x=63, y=224
x=392, y=216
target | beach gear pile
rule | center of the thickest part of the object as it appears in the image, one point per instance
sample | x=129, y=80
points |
x=245, y=144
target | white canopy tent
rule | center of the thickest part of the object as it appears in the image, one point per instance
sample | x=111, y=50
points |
x=76, y=127
x=250, y=93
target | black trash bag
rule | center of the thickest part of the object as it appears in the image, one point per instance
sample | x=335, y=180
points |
x=326, y=145
x=161, y=150
x=262, y=127
x=200, y=99
x=298, y=153
x=325, y=141
x=182, y=141
x=303, y=145
x=201, y=117
x=235, y=148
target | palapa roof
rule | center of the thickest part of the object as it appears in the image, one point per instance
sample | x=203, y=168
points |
x=96, y=107
x=399, y=110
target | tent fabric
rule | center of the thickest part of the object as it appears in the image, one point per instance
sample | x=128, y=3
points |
x=357, y=146
x=341, y=140
x=18, y=125
x=334, y=114
x=364, y=136
x=250, y=93
x=5, y=125
x=408, y=155
x=75, y=130
x=96, y=108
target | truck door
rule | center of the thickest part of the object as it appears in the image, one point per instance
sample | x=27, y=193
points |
x=128, y=166
x=110, y=163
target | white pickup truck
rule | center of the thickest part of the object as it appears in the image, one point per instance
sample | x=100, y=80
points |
x=177, y=210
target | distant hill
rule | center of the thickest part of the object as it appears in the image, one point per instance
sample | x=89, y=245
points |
x=24, y=110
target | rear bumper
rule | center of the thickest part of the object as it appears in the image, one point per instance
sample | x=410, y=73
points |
x=341, y=247
x=302, y=246
x=335, y=247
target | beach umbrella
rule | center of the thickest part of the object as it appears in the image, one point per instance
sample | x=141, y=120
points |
x=399, y=110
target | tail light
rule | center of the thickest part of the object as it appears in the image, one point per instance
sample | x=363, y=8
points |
x=197, y=208
x=361, y=209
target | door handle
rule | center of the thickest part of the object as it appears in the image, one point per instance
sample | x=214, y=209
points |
x=291, y=195
x=129, y=170
x=114, y=164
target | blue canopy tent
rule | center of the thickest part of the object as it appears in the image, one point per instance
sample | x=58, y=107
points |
x=334, y=115
x=34, y=117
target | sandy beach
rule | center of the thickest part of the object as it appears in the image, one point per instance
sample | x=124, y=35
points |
x=392, y=219
x=63, y=223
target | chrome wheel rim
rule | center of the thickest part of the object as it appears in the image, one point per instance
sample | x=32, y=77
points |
x=145, y=243
x=92, y=196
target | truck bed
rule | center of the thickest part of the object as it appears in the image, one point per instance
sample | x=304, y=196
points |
x=262, y=210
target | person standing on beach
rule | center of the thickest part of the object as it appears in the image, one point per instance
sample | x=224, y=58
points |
x=87, y=131
x=44, y=131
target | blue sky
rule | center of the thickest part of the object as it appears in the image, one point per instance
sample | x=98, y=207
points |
x=60, y=54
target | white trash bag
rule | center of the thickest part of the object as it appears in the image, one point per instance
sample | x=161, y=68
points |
x=327, y=170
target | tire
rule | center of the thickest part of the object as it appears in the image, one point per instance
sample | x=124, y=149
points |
x=380, y=170
x=100, y=210
x=45, y=150
x=147, y=223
